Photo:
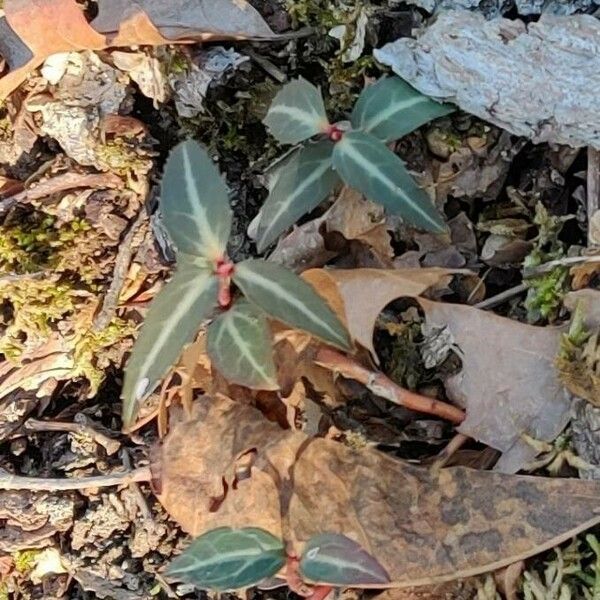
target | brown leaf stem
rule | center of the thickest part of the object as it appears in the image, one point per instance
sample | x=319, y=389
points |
x=384, y=387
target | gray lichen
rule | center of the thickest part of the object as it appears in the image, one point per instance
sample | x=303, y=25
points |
x=539, y=80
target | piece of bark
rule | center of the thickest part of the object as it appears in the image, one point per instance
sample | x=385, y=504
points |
x=495, y=8
x=538, y=80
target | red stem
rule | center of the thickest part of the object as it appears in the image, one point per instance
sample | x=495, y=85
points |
x=382, y=386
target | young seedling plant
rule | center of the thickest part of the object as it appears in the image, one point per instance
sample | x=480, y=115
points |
x=197, y=216
x=354, y=152
x=227, y=559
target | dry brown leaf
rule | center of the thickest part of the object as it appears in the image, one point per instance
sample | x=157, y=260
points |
x=508, y=383
x=353, y=218
x=32, y=30
x=359, y=295
x=423, y=526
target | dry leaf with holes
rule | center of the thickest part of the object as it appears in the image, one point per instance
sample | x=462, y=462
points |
x=359, y=295
x=229, y=466
x=508, y=383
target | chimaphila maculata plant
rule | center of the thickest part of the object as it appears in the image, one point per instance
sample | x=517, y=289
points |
x=354, y=153
x=226, y=559
x=197, y=216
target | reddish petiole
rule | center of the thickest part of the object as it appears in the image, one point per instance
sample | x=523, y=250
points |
x=224, y=271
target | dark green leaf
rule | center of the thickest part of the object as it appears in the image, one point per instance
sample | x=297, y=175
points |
x=391, y=108
x=297, y=113
x=303, y=183
x=239, y=345
x=229, y=559
x=335, y=559
x=286, y=297
x=366, y=164
x=194, y=202
x=172, y=322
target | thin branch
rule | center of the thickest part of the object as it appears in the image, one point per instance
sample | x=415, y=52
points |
x=17, y=482
x=502, y=296
x=384, y=387
x=593, y=191
x=122, y=262
x=110, y=445
x=560, y=262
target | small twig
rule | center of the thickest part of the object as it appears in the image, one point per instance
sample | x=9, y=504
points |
x=12, y=277
x=560, y=262
x=455, y=444
x=384, y=387
x=593, y=190
x=502, y=296
x=266, y=65
x=122, y=262
x=110, y=445
x=140, y=499
x=18, y=482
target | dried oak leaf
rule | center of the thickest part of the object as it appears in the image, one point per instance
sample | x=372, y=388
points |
x=32, y=30
x=423, y=526
x=508, y=383
x=359, y=295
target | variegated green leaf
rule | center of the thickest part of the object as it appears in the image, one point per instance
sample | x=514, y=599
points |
x=366, y=164
x=286, y=297
x=335, y=559
x=194, y=202
x=297, y=112
x=229, y=559
x=391, y=108
x=240, y=346
x=172, y=322
x=303, y=183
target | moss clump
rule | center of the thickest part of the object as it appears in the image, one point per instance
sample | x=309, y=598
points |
x=90, y=357
x=401, y=357
x=124, y=157
x=33, y=307
x=546, y=292
x=24, y=560
x=37, y=241
x=578, y=362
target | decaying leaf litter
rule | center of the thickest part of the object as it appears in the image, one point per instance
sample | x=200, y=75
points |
x=497, y=318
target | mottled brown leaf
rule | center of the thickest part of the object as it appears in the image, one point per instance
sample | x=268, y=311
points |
x=423, y=526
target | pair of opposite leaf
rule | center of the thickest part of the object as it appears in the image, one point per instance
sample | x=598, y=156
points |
x=197, y=216
x=355, y=153
x=231, y=559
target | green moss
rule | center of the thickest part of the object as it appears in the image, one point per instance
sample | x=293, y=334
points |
x=402, y=359
x=346, y=82
x=92, y=344
x=35, y=305
x=545, y=295
x=124, y=158
x=24, y=560
x=35, y=243
x=546, y=292
x=321, y=14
